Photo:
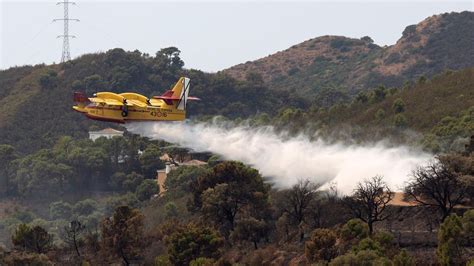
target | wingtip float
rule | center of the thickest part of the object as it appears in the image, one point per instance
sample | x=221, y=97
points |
x=129, y=106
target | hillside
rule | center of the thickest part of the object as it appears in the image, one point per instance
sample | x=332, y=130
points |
x=439, y=113
x=35, y=102
x=437, y=43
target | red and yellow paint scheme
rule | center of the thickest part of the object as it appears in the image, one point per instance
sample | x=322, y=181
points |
x=129, y=106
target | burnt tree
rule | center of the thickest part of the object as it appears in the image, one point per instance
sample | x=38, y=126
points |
x=370, y=200
x=437, y=185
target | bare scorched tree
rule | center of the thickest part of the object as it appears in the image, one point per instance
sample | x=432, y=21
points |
x=370, y=200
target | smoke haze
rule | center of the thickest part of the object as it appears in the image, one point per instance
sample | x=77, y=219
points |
x=284, y=160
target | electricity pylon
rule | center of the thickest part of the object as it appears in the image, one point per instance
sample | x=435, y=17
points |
x=66, y=55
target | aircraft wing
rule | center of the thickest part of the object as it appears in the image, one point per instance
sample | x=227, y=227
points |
x=136, y=103
x=113, y=102
x=97, y=100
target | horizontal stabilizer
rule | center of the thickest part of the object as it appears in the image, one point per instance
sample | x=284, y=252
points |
x=171, y=98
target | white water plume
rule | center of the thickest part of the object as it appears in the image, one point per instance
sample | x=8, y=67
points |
x=284, y=160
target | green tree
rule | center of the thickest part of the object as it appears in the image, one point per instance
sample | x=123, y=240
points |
x=26, y=258
x=33, y=238
x=60, y=210
x=122, y=234
x=132, y=181
x=202, y=262
x=193, y=242
x=181, y=178
x=321, y=246
x=116, y=180
x=450, y=241
x=171, y=209
x=147, y=189
x=77, y=85
x=422, y=80
x=90, y=163
x=354, y=229
x=368, y=244
x=116, y=147
x=7, y=156
x=169, y=57
x=468, y=225
x=398, y=105
x=38, y=174
x=380, y=114
x=49, y=80
x=85, y=207
x=214, y=160
x=362, y=97
x=94, y=84
x=379, y=94
x=365, y=257
x=150, y=161
x=367, y=39
x=223, y=193
x=403, y=259
x=400, y=121
x=252, y=230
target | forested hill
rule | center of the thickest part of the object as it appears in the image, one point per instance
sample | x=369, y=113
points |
x=35, y=101
x=437, y=43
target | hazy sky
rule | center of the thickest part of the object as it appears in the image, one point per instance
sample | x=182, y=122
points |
x=211, y=35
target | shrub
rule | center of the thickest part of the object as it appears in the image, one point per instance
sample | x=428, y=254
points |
x=48, y=80
x=24, y=216
x=380, y=114
x=403, y=259
x=385, y=239
x=343, y=260
x=171, y=209
x=449, y=251
x=34, y=238
x=77, y=85
x=132, y=181
x=129, y=199
x=321, y=246
x=422, y=80
x=193, y=242
x=368, y=244
x=354, y=229
x=60, y=210
x=400, y=120
x=468, y=224
x=162, y=260
x=26, y=258
x=147, y=189
x=251, y=229
x=202, y=262
x=182, y=177
x=398, y=105
x=85, y=207
x=378, y=94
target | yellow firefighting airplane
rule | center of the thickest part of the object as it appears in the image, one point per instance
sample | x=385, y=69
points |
x=129, y=106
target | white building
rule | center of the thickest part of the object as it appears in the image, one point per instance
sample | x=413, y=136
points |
x=108, y=133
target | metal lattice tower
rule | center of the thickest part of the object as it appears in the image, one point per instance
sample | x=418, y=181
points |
x=66, y=55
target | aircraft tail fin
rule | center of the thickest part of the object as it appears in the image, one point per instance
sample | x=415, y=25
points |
x=178, y=95
x=80, y=98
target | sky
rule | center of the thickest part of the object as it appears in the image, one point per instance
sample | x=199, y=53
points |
x=211, y=35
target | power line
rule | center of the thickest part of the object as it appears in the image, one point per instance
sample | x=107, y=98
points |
x=66, y=55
